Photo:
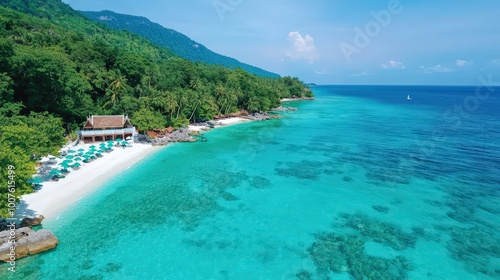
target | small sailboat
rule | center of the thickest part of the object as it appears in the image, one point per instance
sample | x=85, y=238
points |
x=408, y=97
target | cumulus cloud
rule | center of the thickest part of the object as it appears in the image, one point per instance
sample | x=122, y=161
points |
x=462, y=63
x=393, y=64
x=364, y=73
x=302, y=47
x=436, y=69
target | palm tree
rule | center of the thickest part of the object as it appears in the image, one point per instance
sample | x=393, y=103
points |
x=202, y=97
x=171, y=103
x=220, y=93
x=253, y=104
x=115, y=89
x=229, y=99
x=195, y=84
x=181, y=101
x=158, y=100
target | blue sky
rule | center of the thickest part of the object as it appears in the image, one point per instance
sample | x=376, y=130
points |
x=339, y=41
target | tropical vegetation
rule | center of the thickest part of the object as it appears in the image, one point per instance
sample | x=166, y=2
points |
x=57, y=67
x=179, y=43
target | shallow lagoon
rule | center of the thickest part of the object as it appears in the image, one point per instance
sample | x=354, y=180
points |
x=351, y=186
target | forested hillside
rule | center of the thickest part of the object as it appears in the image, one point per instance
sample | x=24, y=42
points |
x=57, y=67
x=179, y=43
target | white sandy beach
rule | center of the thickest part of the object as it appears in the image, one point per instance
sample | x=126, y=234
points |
x=54, y=197
x=224, y=122
x=291, y=99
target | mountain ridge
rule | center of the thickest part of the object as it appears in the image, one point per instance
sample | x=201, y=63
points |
x=179, y=43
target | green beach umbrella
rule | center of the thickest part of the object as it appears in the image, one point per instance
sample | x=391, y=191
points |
x=55, y=172
x=99, y=154
x=71, y=151
x=64, y=165
x=68, y=161
x=70, y=157
x=92, y=146
x=35, y=180
x=78, y=159
x=81, y=150
x=76, y=165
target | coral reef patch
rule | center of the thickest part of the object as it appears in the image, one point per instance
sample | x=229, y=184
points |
x=334, y=252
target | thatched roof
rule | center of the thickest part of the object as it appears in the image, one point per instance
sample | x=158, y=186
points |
x=114, y=121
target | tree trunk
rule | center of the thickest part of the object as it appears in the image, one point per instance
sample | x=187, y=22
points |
x=195, y=107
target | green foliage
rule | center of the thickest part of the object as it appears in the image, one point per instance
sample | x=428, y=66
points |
x=145, y=120
x=6, y=88
x=177, y=42
x=24, y=168
x=82, y=69
x=57, y=67
x=21, y=137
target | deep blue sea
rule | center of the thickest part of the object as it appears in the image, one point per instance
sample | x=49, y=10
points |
x=360, y=183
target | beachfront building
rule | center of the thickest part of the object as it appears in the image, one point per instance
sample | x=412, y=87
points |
x=104, y=128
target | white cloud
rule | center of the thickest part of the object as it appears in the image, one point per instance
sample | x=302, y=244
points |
x=436, y=69
x=392, y=64
x=302, y=47
x=497, y=61
x=364, y=73
x=462, y=63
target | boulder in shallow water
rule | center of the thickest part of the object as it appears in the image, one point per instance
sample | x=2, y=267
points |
x=28, y=242
x=43, y=240
x=31, y=221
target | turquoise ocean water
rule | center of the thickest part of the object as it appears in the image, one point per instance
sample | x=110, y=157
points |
x=358, y=184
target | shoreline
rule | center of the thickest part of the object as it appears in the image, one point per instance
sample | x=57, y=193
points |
x=224, y=122
x=55, y=197
x=296, y=99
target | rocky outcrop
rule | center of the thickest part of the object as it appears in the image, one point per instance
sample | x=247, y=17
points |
x=259, y=116
x=31, y=221
x=294, y=98
x=28, y=242
x=281, y=108
x=180, y=135
x=3, y=225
